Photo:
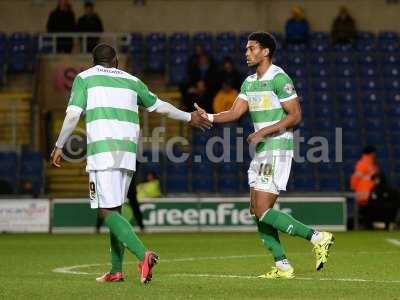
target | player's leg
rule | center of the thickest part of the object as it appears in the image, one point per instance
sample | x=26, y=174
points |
x=269, y=237
x=273, y=177
x=111, y=188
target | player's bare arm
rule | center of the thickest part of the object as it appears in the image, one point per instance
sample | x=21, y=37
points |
x=239, y=107
x=69, y=124
x=293, y=117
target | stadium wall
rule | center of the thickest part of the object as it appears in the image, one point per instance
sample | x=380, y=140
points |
x=203, y=15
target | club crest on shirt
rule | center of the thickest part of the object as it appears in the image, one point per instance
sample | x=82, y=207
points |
x=288, y=88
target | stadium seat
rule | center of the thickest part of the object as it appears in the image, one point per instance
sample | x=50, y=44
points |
x=177, y=184
x=9, y=169
x=228, y=184
x=177, y=68
x=388, y=36
x=205, y=40
x=320, y=71
x=31, y=169
x=330, y=184
x=346, y=85
x=319, y=58
x=369, y=71
x=392, y=84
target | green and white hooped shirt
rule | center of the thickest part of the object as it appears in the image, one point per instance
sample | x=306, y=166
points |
x=265, y=96
x=110, y=99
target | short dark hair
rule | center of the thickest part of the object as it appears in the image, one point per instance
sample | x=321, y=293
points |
x=369, y=149
x=88, y=4
x=265, y=39
x=103, y=54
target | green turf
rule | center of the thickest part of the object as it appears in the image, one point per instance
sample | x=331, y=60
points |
x=27, y=261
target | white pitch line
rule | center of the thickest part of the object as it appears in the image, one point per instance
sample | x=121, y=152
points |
x=394, y=242
x=72, y=269
x=295, y=278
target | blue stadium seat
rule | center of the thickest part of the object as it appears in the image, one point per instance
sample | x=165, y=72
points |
x=373, y=110
x=205, y=40
x=320, y=58
x=344, y=58
x=369, y=71
x=351, y=138
x=31, y=169
x=321, y=36
x=330, y=184
x=376, y=123
x=350, y=124
x=177, y=68
x=320, y=85
x=388, y=36
x=9, y=169
x=367, y=59
x=347, y=97
x=136, y=43
x=203, y=184
x=319, y=47
x=177, y=184
x=343, y=48
x=228, y=184
x=348, y=110
x=391, y=71
x=392, y=84
x=181, y=38
x=390, y=58
x=346, y=85
x=304, y=183
x=296, y=58
x=297, y=71
x=296, y=48
x=344, y=71
x=389, y=47
x=366, y=36
x=351, y=152
x=318, y=71
x=371, y=84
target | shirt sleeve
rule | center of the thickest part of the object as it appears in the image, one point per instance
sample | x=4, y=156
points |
x=146, y=98
x=78, y=98
x=243, y=91
x=284, y=88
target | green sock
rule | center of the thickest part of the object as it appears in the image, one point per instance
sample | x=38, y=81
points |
x=285, y=223
x=125, y=234
x=117, y=254
x=270, y=239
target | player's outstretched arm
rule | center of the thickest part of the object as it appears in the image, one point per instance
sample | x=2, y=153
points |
x=293, y=117
x=194, y=119
x=70, y=122
x=238, y=108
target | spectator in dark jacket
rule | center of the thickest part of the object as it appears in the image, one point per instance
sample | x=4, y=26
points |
x=62, y=19
x=343, y=28
x=230, y=73
x=90, y=22
x=297, y=28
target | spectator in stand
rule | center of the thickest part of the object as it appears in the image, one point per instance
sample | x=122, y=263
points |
x=343, y=28
x=206, y=71
x=362, y=180
x=225, y=97
x=198, y=94
x=297, y=28
x=90, y=22
x=149, y=189
x=62, y=19
x=382, y=206
x=230, y=73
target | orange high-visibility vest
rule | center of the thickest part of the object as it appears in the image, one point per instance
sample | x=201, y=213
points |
x=361, y=180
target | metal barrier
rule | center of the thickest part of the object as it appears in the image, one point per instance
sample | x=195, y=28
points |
x=48, y=41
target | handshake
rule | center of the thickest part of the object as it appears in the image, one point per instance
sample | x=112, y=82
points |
x=199, y=118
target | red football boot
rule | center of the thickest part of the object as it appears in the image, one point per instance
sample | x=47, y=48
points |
x=111, y=277
x=145, y=267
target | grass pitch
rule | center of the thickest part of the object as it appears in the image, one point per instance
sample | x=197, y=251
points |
x=362, y=265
